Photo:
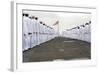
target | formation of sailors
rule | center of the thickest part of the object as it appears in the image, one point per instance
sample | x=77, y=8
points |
x=82, y=32
x=35, y=32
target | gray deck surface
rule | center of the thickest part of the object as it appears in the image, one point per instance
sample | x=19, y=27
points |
x=58, y=48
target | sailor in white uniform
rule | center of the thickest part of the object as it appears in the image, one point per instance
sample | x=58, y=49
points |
x=33, y=31
x=75, y=33
x=44, y=32
x=40, y=32
x=88, y=32
x=43, y=35
x=37, y=31
x=82, y=30
x=30, y=30
x=47, y=33
x=42, y=27
x=78, y=32
x=25, y=32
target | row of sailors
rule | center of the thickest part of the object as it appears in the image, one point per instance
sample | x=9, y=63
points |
x=35, y=32
x=82, y=32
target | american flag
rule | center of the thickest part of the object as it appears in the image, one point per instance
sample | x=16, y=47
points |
x=56, y=23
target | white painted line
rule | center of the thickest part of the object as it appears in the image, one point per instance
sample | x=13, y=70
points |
x=69, y=41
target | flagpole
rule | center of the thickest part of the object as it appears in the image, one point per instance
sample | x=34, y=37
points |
x=57, y=25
